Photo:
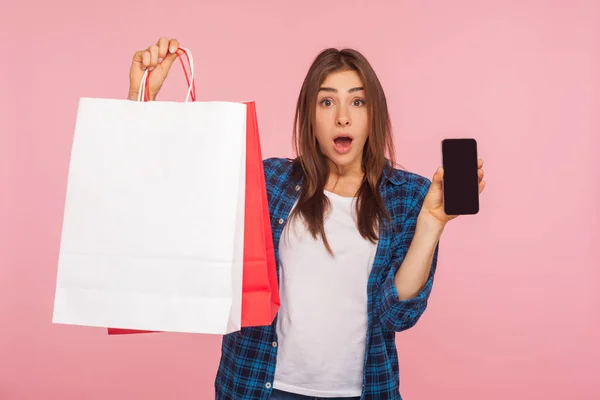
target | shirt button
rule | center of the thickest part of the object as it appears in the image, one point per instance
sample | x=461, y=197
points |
x=297, y=188
x=274, y=344
x=268, y=385
x=281, y=221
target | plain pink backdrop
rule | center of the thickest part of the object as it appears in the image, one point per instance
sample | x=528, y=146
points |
x=515, y=311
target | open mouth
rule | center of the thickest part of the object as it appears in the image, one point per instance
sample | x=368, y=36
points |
x=342, y=143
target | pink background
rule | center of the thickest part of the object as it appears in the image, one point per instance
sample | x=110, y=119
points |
x=516, y=307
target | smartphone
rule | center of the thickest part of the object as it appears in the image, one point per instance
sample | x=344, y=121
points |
x=461, y=183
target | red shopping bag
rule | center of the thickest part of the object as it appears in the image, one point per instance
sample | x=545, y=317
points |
x=260, y=292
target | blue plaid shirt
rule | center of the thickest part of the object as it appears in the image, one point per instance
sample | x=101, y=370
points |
x=248, y=359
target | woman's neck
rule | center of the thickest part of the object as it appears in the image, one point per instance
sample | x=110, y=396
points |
x=344, y=181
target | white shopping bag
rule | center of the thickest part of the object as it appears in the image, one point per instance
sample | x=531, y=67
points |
x=153, y=227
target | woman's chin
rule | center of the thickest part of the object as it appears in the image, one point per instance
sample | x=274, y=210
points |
x=346, y=160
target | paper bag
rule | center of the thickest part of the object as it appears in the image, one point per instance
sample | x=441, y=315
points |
x=153, y=229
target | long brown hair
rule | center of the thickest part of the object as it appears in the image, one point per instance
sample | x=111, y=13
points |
x=313, y=204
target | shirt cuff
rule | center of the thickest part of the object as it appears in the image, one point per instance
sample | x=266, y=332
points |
x=399, y=315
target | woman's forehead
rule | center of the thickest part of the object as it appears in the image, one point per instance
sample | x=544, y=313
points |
x=342, y=81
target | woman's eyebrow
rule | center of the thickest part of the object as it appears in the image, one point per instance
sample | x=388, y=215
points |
x=334, y=90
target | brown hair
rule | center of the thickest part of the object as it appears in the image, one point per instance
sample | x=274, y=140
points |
x=313, y=204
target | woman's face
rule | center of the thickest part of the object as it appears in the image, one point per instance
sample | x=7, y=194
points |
x=342, y=125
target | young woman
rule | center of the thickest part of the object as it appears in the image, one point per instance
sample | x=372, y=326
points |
x=356, y=243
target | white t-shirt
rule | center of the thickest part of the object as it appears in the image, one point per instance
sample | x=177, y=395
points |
x=322, y=321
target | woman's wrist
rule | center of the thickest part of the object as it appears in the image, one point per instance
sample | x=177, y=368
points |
x=429, y=225
x=133, y=95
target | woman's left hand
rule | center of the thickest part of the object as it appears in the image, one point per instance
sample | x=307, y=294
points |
x=433, y=204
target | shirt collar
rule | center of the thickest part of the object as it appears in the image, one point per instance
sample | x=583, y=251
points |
x=391, y=175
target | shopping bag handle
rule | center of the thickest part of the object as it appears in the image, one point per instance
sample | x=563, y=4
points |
x=144, y=92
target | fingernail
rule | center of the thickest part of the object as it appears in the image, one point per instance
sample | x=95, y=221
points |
x=172, y=49
x=150, y=69
x=160, y=60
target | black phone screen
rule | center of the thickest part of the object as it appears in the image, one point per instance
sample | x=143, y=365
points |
x=461, y=183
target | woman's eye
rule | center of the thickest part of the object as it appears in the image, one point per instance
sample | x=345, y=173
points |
x=358, y=102
x=326, y=102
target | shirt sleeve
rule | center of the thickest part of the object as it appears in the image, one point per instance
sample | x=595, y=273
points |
x=395, y=314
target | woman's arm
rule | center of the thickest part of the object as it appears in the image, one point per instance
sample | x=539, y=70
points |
x=415, y=269
x=406, y=289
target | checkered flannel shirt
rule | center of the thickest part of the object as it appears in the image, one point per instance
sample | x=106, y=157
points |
x=248, y=359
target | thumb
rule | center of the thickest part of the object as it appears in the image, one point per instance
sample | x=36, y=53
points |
x=438, y=176
x=168, y=61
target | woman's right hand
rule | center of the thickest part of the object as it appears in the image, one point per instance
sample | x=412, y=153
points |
x=157, y=58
